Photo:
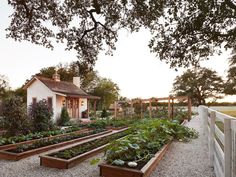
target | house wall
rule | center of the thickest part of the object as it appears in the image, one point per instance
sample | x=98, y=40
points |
x=38, y=90
x=59, y=105
x=84, y=107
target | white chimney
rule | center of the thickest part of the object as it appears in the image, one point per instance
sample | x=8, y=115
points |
x=76, y=81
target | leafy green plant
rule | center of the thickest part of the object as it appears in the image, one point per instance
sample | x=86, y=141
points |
x=15, y=119
x=147, y=138
x=65, y=118
x=104, y=113
x=47, y=142
x=41, y=116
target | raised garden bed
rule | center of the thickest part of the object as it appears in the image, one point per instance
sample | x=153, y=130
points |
x=69, y=157
x=116, y=171
x=36, y=136
x=17, y=154
x=10, y=146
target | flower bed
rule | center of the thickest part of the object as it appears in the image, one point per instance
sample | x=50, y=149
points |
x=138, y=154
x=69, y=157
x=23, y=151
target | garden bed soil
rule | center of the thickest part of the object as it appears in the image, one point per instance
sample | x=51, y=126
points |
x=116, y=171
x=11, y=146
x=53, y=162
x=4, y=154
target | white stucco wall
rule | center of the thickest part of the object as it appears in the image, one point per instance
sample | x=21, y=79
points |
x=40, y=91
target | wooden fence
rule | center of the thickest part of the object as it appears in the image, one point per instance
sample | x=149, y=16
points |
x=220, y=130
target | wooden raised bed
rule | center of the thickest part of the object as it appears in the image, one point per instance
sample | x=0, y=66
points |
x=17, y=156
x=115, y=171
x=53, y=162
x=11, y=146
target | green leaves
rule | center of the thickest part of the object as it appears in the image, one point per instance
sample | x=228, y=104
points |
x=147, y=137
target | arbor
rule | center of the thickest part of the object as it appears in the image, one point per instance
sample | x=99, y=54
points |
x=199, y=84
x=108, y=91
x=184, y=31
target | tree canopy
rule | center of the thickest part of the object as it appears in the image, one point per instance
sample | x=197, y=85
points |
x=108, y=91
x=4, y=86
x=199, y=84
x=184, y=31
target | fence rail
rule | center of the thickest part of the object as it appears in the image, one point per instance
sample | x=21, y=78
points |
x=220, y=130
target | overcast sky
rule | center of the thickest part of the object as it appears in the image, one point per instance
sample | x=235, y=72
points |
x=137, y=72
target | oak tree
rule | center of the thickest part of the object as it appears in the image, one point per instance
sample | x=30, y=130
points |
x=199, y=84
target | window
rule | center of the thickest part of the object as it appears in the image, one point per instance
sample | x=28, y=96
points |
x=34, y=100
x=50, y=103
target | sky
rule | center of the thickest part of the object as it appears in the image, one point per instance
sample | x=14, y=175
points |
x=137, y=71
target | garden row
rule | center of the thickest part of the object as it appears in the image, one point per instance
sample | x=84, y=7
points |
x=133, y=153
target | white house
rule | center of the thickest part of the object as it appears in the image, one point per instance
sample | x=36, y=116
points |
x=58, y=94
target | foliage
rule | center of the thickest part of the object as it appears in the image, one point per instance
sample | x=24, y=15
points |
x=36, y=135
x=64, y=118
x=4, y=86
x=200, y=84
x=108, y=91
x=41, y=116
x=89, y=78
x=145, y=140
x=88, y=146
x=231, y=77
x=182, y=30
x=15, y=119
x=47, y=142
x=104, y=113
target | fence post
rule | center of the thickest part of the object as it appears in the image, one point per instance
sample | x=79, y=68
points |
x=233, y=131
x=211, y=137
x=204, y=115
x=227, y=148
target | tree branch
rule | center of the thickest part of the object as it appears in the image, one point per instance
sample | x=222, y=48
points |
x=230, y=4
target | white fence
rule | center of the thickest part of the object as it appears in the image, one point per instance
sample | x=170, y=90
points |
x=220, y=129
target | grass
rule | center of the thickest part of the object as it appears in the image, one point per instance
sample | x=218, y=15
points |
x=229, y=112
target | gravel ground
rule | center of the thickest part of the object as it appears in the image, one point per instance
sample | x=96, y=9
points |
x=186, y=159
x=182, y=160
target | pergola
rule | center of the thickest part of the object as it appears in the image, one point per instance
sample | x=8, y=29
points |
x=170, y=99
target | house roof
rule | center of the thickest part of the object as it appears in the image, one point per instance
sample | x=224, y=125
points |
x=63, y=87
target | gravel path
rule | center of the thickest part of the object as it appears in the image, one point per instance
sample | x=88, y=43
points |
x=186, y=159
x=182, y=160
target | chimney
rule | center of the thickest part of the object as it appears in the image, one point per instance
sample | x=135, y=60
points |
x=76, y=81
x=56, y=76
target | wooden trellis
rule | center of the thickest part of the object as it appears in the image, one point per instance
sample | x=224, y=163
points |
x=170, y=100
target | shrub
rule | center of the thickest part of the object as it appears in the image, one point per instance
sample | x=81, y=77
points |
x=41, y=116
x=65, y=118
x=15, y=118
x=104, y=113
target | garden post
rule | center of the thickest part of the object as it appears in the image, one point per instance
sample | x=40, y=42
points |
x=150, y=108
x=227, y=148
x=115, y=107
x=212, y=137
x=141, y=109
x=94, y=107
x=169, y=108
x=189, y=108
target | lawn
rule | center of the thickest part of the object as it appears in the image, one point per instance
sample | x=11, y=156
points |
x=230, y=112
